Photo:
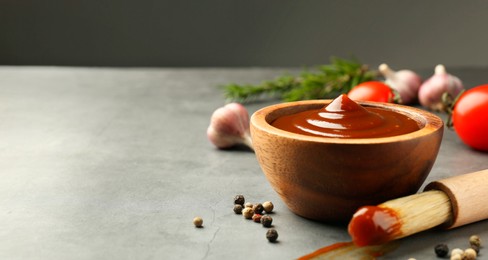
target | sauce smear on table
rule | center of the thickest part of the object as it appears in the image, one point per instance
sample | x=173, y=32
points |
x=344, y=118
x=347, y=250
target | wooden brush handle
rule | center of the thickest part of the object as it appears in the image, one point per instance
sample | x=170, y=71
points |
x=468, y=194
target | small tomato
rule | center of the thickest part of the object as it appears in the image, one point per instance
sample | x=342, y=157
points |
x=470, y=117
x=376, y=91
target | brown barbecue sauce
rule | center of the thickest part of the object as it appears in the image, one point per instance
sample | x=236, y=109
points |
x=344, y=118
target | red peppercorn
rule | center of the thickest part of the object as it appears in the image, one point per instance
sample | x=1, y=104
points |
x=256, y=218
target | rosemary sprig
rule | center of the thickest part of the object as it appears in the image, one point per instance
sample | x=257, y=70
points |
x=327, y=81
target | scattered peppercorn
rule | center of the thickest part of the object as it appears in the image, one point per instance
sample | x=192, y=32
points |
x=457, y=251
x=247, y=213
x=258, y=208
x=441, y=250
x=256, y=218
x=198, y=222
x=475, y=248
x=248, y=205
x=469, y=254
x=272, y=235
x=238, y=208
x=475, y=240
x=268, y=206
x=266, y=220
x=239, y=199
x=456, y=257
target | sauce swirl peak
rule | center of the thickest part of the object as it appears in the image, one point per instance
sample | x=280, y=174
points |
x=344, y=118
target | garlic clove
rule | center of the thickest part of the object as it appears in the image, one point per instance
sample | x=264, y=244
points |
x=405, y=82
x=229, y=126
x=431, y=91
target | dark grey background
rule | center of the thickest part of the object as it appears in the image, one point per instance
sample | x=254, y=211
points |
x=218, y=33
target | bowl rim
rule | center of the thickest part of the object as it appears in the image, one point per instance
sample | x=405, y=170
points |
x=430, y=122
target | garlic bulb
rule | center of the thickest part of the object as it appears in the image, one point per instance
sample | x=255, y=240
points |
x=431, y=91
x=229, y=126
x=405, y=82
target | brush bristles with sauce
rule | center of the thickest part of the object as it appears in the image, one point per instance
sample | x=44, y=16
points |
x=374, y=225
x=451, y=202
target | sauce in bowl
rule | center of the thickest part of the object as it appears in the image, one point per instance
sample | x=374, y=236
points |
x=344, y=118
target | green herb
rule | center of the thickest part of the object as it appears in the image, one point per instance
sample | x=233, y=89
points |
x=327, y=81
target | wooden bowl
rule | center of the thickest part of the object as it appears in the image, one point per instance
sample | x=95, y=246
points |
x=328, y=179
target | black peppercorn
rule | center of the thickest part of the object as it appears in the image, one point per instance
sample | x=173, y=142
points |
x=238, y=208
x=266, y=220
x=441, y=250
x=239, y=199
x=272, y=235
x=258, y=208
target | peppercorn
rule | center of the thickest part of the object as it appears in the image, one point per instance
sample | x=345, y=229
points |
x=238, y=208
x=475, y=240
x=441, y=250
x=258, y=208
x=475, y=248
x=266, y=220
x=198, y=222
x=256, y=218
x=456, y=257
x=247, y=213
x=272, y=235
x=248, y=205
x=268, y=206
x=469, y=254
x=457, y=251
x=239, y=199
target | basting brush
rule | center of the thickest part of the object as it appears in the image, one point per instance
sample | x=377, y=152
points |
x=447, y=203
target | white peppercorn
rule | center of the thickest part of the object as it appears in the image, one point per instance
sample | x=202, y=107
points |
x=457, y=251
x=475, y=240
x=456, y=257
x=198, y=222
x=469, y=254
x=475, y=248
x=268, y=206
x=247, y=213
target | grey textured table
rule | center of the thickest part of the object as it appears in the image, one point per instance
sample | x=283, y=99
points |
x=101, y=163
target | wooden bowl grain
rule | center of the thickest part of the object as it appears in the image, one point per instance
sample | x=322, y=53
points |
x=328, y=179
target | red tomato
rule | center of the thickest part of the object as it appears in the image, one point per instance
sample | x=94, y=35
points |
x=470, y=117
x=372, y=91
